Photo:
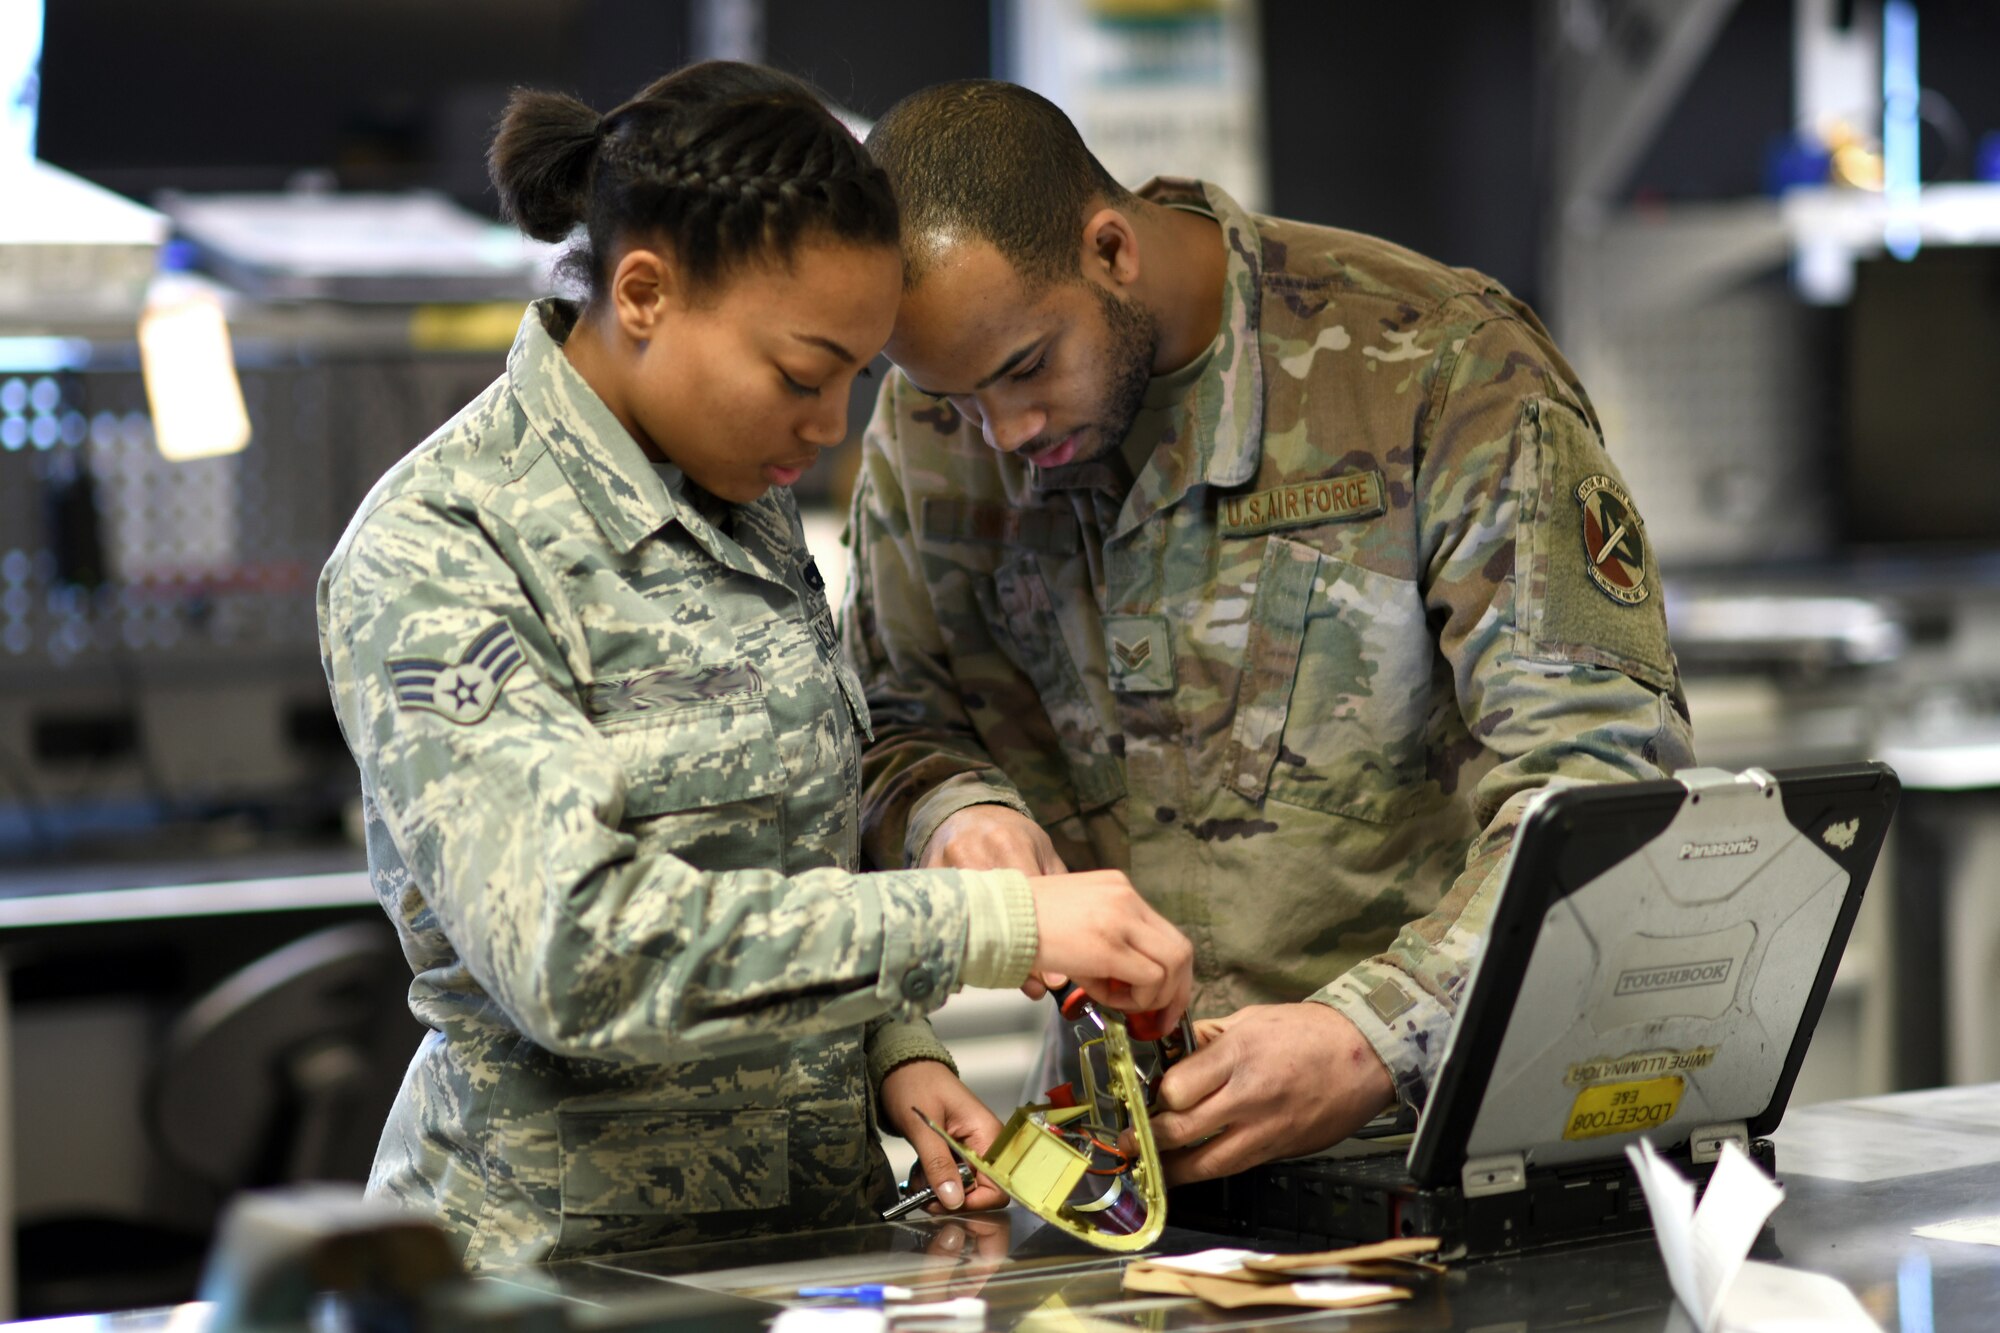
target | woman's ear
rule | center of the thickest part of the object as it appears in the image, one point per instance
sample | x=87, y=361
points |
x=643, y=287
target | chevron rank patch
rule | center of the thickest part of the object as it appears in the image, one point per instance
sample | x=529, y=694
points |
x=1139, y=653
x=1614, y=547
x=463, y=691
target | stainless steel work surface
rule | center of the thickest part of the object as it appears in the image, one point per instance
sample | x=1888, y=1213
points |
x=1859, y=1176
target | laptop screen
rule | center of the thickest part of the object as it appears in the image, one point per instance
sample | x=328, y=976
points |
x=1658, y=956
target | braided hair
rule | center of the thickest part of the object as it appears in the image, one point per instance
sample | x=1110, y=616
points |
x=722, y=161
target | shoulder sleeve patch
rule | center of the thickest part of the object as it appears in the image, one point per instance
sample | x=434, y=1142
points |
x=1614, y=551
x=462, y=691
x=1589, y=587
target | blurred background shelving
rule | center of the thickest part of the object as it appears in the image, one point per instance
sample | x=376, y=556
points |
x=1788, y=320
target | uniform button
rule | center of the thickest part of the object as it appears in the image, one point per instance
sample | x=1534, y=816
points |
x=918, y=983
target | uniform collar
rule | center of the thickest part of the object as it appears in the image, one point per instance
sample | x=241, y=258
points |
x=628, y=495
x=613, y=479
x=1225, y=407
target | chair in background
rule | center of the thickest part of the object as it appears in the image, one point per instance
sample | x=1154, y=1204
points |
x=282, y=1073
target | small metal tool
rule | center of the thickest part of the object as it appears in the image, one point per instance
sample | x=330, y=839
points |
x=910, y=1203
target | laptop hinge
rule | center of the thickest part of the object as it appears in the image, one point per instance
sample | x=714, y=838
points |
x=1719, y=782
x=1503, y=1173
x=1705, y=1144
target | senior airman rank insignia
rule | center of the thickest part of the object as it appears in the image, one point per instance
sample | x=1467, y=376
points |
x=1139, y=653
x=463, y=691
x=1614, y=547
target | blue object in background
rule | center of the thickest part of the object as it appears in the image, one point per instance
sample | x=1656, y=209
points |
x=1986, y=162
x=867, y=1293
x=1795, y=159
x=20, y=78
x=1902, y=94
x=179, y=255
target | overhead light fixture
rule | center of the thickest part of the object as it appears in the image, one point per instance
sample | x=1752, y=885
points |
x=191, y=384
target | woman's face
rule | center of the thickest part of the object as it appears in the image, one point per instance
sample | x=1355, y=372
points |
x=743, y=384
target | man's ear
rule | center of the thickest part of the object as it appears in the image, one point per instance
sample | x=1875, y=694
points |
x=1111, y=248
x=643, y=286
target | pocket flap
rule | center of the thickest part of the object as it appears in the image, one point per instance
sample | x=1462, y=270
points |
x=857, y=698
x=620, y=1163
x=1264, y=691
x=698, y=756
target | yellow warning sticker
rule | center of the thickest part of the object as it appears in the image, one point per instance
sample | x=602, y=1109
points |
x=1624, y=1108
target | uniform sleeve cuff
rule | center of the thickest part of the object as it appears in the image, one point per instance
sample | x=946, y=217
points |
x=1407, y=1025
x=892, y=1044
x=946, y=800
x=1000, y=932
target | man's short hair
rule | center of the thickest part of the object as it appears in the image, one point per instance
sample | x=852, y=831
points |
x=981, y=158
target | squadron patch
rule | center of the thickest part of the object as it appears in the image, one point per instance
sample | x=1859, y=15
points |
x=463, y=691
x=1614, y=548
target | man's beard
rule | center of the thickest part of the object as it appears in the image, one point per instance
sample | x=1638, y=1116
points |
x=1134, y=342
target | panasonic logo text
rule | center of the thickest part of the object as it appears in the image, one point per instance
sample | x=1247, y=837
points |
x=1646, y=980
x=1695, y=851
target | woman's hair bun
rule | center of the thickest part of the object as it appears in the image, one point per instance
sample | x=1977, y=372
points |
x=540, y=161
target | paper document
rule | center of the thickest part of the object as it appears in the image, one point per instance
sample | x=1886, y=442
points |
x=1977, y=1230
x=1707, y=1251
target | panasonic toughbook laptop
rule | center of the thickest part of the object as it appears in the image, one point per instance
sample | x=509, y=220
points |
x=1657, y=959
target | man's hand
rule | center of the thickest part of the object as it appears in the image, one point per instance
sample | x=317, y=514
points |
x=1273, y=1080
x=991, y=837
x=928, y=1088
x=1094, y=928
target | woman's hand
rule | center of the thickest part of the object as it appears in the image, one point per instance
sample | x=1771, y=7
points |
x=928, y=1088
x=1093, y=928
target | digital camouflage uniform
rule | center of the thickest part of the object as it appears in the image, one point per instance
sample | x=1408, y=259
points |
x=609, y=759
x=1387, y=586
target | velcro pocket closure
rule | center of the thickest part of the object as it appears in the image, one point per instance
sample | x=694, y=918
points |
x=697, y=756
x=630, y=1162
x=1264, y=692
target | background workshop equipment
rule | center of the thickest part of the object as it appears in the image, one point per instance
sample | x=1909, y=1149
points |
x=249, y=258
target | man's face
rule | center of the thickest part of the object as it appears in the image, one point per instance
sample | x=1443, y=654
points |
x=1056, y=375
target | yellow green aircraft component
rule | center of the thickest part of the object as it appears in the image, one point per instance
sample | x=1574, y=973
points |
x=1039, y=1169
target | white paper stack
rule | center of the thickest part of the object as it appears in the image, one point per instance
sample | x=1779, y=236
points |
x=1707, y=1252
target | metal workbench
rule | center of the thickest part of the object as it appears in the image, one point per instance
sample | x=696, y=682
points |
x=1859, y=1175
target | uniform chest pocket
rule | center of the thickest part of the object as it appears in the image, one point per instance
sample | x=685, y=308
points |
x=696, y=756
x=1335, y=695
x=1017, y=604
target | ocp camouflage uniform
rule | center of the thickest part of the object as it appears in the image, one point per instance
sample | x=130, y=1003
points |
x=1377, y=584
x=609, y=759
